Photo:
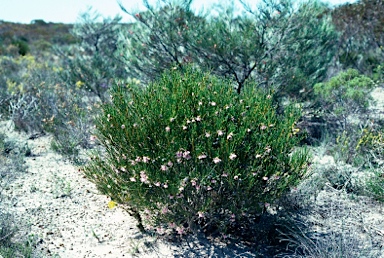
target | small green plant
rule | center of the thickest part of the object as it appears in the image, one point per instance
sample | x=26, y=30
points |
x=62, y=187
x=188, y=153
x=375, y=185
x=378, y=73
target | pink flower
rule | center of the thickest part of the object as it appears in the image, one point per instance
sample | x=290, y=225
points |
x=202, y=156
x=122, y=126
x=193, y=182
x=92, y=138
x=179, y=154
x=186, y=155
x=144, y=177
x=138, y=159
x=232, y=156
x=170, y=164
x=164, y=168
x=265, y=178
x=209, y=188
x=167, y=129
x=200, y=214
x=164, y=210
x=160, y=230
x=220, y=132
x=198, y=118
x=224, y=175
x=146, y=159
x=216, y=160
x=180, y=196
x=263, y=127
x=132, y=179
x=157, y=184
x=165, y=186
x=180, y=230
x=207, y=134
x=213, y=181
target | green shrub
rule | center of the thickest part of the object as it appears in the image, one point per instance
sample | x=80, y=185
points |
x=378, y=73
x=187, y=152
x=343, y=95
x=375, y=185
x=22, y=46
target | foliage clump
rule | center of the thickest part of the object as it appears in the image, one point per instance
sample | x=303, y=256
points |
x=343, y=95
x=188, y=152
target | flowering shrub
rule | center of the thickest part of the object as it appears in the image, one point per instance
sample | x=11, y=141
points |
x=371, y=144
x=35, y=97
x=188, y=152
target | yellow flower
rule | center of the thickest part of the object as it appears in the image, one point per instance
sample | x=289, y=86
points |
x=112, y=204
x=79, y=84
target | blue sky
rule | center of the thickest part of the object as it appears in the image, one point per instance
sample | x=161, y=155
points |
x=67, y=11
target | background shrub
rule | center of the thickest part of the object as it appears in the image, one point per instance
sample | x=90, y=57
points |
x=187, y=152
x=343, y=95
x=278, y=43
x=93, y=64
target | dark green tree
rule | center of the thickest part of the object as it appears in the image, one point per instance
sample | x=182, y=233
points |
x=279, y=45
x=361, y=43
x=94, y=64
